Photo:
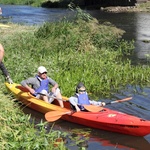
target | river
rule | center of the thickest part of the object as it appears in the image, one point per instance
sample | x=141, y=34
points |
x=137, y=28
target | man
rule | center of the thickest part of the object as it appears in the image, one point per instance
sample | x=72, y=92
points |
x=2, y=67
x=39, y=86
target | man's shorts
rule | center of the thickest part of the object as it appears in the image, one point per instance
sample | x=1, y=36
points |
x=50, y=95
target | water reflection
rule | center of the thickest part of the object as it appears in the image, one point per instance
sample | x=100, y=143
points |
x=136, y=26
x=93, y=138
x=143, y=33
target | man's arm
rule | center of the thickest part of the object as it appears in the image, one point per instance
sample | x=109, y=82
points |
x=1, y=53
x=4, y=70
x=30, y=84
x=54, y=84
x=2, y=67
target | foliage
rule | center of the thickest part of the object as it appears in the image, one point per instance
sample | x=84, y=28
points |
x=144, y=7
x=20, y=2
x=63, y=3
x=17, y=132
x=80, y=13
x=36, y=3
x=75, y=51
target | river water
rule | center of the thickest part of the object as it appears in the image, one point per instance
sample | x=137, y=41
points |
x=137, y=27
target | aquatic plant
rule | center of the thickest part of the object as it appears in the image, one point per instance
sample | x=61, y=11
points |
x=75, y=51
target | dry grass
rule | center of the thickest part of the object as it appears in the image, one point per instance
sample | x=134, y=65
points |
x=14, y=29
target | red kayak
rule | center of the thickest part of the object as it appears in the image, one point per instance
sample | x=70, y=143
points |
x=105, y=119
x=111, y=120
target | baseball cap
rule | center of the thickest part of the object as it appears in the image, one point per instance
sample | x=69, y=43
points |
x=42, y=69
x=80, y=85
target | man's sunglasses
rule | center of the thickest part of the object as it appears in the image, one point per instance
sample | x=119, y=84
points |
x=44, y=73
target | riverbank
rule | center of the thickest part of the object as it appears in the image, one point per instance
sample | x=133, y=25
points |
x=19, y=132
x=143, y=7
x=138, y=7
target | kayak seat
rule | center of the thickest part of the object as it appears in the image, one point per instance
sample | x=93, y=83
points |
x=22, y=88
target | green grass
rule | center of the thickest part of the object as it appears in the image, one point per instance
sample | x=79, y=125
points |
x=17, y=131
x=36, y=3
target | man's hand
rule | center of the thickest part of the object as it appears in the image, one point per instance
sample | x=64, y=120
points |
x=9, y=80
x=32, y=91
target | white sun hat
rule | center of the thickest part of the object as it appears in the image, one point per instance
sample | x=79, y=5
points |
x=42, y=69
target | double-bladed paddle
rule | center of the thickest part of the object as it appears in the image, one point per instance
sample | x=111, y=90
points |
x=95, y=108
x=55, y=115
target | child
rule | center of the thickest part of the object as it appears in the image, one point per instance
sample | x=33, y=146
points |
x=81, y=98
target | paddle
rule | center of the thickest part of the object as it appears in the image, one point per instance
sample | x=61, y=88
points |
x=88, y=107
x=94, y=108
x=55, y=115
x=91, y=108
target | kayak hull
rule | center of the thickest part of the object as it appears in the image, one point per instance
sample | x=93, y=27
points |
x=106, y=119
x=112, y=121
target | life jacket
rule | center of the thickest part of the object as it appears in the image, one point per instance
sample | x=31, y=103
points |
x=43, y=85
x=83, y=99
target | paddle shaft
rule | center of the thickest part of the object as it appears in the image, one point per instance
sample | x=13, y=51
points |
x=92, y=108
x=119, y=101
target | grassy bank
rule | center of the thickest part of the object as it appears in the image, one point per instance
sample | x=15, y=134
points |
x=17, y=132
x=26, y=2
x=20, y=2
